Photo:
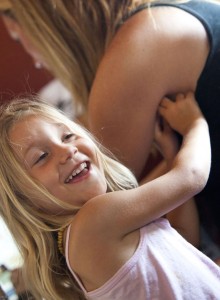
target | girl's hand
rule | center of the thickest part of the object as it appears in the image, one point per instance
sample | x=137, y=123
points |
x=181, y=113
x=166, y=140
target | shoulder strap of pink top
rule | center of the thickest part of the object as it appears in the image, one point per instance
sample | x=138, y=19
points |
x=67, y=260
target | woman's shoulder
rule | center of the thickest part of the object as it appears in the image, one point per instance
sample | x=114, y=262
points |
x=148, y=50
x=157, y=21
x=153, y=37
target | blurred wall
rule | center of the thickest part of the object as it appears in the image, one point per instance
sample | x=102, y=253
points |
x=17, y=71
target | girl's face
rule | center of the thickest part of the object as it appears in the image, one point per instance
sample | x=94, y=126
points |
x=65, y=163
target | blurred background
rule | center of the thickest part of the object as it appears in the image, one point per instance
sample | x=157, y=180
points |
x=17, y=71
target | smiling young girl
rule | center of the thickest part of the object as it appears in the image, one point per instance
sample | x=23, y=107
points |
x=57, y=183
x=119, y=59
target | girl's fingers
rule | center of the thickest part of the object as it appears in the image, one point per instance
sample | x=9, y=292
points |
x=166, y=127
x=165, y=102
x=180, y=96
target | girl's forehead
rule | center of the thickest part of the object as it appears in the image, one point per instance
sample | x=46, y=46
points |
x=31, y=124
x=34, y=130
x=34, y=124
x=28, y=119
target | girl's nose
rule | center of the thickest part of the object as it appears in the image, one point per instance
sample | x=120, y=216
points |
x=67, y=152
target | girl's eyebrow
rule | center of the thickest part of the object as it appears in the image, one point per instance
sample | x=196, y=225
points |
x=19, y=145
x=31, y=145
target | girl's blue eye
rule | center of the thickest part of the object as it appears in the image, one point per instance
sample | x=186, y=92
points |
x=43, y=156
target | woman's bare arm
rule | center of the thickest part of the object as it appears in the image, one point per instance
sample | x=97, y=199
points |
x=144, y=63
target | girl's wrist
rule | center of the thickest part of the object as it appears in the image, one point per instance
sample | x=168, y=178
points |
x=199, y=122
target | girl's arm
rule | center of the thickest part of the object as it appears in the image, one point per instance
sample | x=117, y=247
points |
x=105, y=232
x=124, y=211
x=184, y=218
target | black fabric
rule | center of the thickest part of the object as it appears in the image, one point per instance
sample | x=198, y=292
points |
x=208, y=96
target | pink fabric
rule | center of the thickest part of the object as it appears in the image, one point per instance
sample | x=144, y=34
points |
x=164, y=266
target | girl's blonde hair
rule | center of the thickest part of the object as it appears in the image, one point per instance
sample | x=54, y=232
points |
x=44, y=271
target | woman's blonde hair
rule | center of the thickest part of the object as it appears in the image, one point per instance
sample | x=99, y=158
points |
x=72, y=36
x=34, y=231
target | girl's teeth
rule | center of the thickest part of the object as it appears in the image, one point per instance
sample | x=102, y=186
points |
x=77, y=171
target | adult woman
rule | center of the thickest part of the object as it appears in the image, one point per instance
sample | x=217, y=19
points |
x=119, y=58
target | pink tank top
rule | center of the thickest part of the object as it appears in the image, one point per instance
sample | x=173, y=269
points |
x=164, y=266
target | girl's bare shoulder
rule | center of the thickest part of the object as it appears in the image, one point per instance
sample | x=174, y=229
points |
x=94, y=254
